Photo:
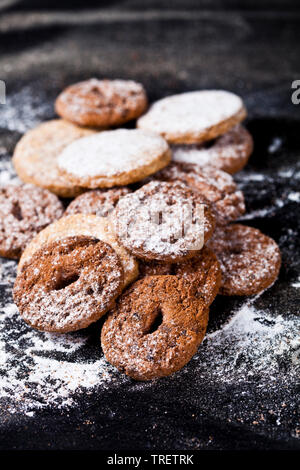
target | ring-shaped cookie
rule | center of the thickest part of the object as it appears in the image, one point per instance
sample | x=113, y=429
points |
x=250, y=261
x=155, y=328
x=68, y=284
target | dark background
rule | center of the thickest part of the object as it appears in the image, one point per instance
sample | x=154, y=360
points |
x=250, y=47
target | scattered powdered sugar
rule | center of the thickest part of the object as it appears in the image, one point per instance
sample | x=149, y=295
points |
x=296, y=284
x=275, y=145
x=245, y=177
x=7, y=171
x=42, y=370
x=286, y=173
x=258, y=213
x=294, y=196
x=192, y=112
x=252, y=343
x=25, y=109
x=38, y=370
x=111, y=153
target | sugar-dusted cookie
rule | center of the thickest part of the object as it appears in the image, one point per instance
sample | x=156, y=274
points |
x=113, y=158
x=155, y=328
x=250, y=261
x=215, y=185
x=68, y=284
x=85, y=225
x=24, y=211
x=35, y=155
x=99, y=202
x=102, y=103
x=229, y=152
x=194, y=117
x=163, y=221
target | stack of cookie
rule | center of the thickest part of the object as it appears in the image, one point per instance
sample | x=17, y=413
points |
x=149, y=237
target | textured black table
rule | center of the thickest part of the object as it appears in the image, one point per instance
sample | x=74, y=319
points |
x=240, y=391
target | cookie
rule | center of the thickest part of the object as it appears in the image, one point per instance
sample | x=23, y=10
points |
x=99, y=202
x=203, y=270
x=83, y=225
x=155, y=328
x=24, y=211
x=35, y=156
x=229, y=152
x=113, y=158
x=102, y=103
x=215, y=185
x=194, y=117
x=250, y=261
x=163, y=221
x=68, y=284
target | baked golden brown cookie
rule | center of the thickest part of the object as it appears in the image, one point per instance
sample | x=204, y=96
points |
x=102, y=103
x=163, y=221
x=194, y=117
x=24, y=211
x=114, y=158
x=250, y=261
x=215, y=185
x=68, y=284
x=229, y=152
x=203, y=270
x=100, y=202
x=155, y=328
x=35, y=156
x=83, y=225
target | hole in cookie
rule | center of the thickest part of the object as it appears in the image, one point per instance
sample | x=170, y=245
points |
x=17, y=211
x=208, y=144
x=236, y=250
x=65, y=281
x=156, y=322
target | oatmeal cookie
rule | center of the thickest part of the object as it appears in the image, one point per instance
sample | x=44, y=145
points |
x=250, y=261
x=100, y=202
x=113, y=158
x=216, y=186
x=35, y=156
x=163, y=221
x=194, y=117
x=229, y=152
x=155, y=328
x=83, y=225
x=102, y=103
x=25, y=210
x=68, y=284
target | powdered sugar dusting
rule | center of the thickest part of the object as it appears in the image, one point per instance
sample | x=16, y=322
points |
x=7, y=171
x=39, y=370
x=225, y=151
x=25, y=109
x=254, y=342
x=192, y=112
x=162, y=220
x=49, y=375
x=103, y=96
x=89, y=225
x=111, y=153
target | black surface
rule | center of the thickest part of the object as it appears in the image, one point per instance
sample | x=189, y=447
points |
x=254, y=53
